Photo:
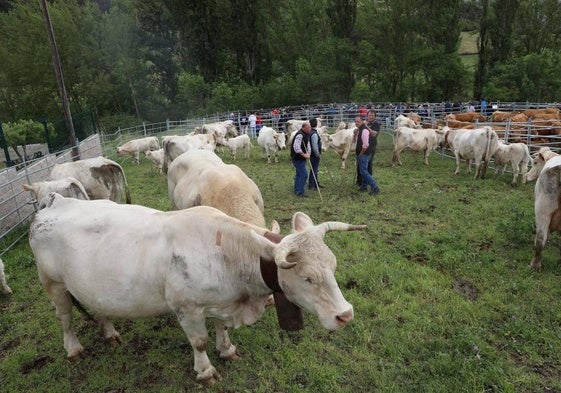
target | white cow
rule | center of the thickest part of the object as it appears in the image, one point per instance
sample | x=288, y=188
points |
x=547, y=196
x=135, y=262
x=134, y=147
x=293, y=125
x=404, y=121
x=423, y=140
x=542, y=156
x=200, y=177
x=517, y=154
x=271, y=141
x=241, y=142
x=176, y=145
x=475, y=145
x=69, y=187
x=101, y=177
x=342, y=142
x=6, y=290
x=157, y=157
x=223, y=128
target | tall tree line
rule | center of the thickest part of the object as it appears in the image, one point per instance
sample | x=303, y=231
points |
x=151, y=59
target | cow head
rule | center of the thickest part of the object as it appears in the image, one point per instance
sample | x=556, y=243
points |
x=281, y=140
x=306, y=268
x=541, y=157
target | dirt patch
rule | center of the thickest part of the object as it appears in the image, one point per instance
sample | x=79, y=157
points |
x=35, y=364
x=421, y=259
x=465, y=288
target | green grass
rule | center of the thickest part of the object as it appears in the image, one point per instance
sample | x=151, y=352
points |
x=444, y=298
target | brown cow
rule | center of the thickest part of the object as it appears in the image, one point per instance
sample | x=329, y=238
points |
x=471, y=117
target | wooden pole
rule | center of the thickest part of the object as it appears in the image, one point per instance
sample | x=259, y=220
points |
x=60, y=82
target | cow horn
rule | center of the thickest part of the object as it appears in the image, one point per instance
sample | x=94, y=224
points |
x=325, y=227
x=280, y=258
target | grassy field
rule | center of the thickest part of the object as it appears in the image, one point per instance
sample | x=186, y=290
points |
x=444, y=298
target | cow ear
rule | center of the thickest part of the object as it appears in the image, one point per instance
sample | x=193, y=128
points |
x=300, y=222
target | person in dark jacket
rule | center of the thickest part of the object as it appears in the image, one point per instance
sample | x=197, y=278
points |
x=374, y=126
x=364, y=150
x=299, y=152
x=315, y=156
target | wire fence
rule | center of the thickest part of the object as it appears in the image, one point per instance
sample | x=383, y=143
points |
x=17, y=206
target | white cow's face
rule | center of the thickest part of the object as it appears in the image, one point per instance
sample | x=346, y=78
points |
x=311, y=282
x=537, y=165
x=281, y=140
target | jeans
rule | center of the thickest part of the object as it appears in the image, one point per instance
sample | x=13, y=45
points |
x=313, y=179
x=367, y=179
x=358, y=175
x=300, y=177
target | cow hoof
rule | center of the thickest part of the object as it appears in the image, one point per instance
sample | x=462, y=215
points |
x=233, y=356
x=75, y=355
x=537, y=267
x=113, y=341
x=210, y=377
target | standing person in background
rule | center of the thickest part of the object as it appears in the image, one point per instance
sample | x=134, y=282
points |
x=243, y=124
x=364, y=151
x=374, y=127
x=315, y=143
x=275, y=115
x=299, y=153
x=252, y=125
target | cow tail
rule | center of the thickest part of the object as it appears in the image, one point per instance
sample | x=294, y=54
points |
x=127, y=190
x=487, y=157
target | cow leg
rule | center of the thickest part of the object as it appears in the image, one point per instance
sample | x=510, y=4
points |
x=277, y=157
x=458, y=163
x=137, y=157
x=63, y=311
x=515, y=171
x=427, y=154
x=223, y=344
x=6, y=290
x=110, y=335
x=194, y=328
x=396, y=157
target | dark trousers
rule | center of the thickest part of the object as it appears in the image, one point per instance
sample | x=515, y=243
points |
x=300, y=176
x=314, y=163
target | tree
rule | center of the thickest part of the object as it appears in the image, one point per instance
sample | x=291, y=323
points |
x=22, y=133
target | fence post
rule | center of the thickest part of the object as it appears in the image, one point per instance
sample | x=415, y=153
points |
x=167, y=125
x=144, y=127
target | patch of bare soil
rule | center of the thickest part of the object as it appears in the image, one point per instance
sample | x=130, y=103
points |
x=465, y=288
x=35, y=364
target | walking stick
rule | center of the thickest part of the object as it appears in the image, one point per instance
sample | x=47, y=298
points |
x=315, y=179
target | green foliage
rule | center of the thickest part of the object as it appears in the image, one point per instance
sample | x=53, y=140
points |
x=535, y=77
x=153, y=62
x=25, y=132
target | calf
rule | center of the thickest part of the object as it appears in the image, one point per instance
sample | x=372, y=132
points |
x=134, y=147
x=517, y=154
x=242, y=142
x=157, y=157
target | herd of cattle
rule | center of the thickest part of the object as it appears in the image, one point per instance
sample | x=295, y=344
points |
x=213, y=256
